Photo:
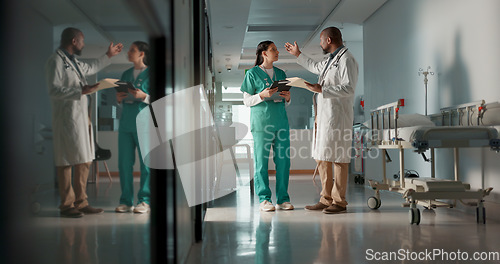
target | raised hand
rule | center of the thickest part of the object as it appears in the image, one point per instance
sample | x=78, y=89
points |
x=293, y=49
x=114, y=49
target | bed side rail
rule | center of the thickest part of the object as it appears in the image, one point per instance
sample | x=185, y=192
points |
x=379, y=123
x=472, y=111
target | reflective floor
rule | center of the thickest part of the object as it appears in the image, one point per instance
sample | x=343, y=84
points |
x=104, y=238
x=236, y=232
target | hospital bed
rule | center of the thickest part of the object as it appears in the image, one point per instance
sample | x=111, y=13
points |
x=388, y=132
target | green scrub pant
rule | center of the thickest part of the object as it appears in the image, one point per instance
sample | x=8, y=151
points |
x=127, y=143
x=280, y=143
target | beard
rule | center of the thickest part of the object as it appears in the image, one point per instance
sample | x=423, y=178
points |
x=324, y=51
x=78, y=52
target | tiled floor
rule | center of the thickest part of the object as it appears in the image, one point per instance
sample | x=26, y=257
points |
x=236, y=232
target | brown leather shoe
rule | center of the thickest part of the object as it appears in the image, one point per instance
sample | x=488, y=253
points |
x=91, y=210
x=334, y=209
x=316, y=207
x=71, y=213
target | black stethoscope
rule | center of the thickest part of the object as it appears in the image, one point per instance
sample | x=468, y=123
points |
x=65, y=60
x=336, y=63
x=67, y=65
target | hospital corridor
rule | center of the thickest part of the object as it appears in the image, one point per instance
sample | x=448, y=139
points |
x=250, y=131
x=236, y=232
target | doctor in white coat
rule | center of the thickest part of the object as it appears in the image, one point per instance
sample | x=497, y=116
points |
x=333, y=104
x=72, y=132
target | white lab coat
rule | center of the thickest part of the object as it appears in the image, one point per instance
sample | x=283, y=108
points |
x=332, y=137
x=72, y=133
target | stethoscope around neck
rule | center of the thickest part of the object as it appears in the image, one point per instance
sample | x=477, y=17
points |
x=336, y=63
x=69, y=65
x=65, y=60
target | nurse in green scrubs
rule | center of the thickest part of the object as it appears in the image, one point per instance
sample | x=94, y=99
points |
x=132, y=103
x=269, y=126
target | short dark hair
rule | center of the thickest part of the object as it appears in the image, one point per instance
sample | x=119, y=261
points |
x=68, y=35
x=144, y=47
x=333, y=33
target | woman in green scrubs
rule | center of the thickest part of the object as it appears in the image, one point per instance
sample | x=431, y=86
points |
x=132, y=103
x=269, y=126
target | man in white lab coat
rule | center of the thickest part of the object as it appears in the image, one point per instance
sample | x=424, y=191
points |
x=333, y=104
x=72, y=131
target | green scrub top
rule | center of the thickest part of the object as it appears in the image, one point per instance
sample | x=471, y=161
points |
x=131, y=110
x=267, y=115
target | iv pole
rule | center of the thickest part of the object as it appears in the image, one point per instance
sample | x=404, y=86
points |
x=425, y=73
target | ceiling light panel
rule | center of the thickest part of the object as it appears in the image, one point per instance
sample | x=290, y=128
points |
x=252, y=39
x=106, y=13
x=293, y=12
x=266, y=28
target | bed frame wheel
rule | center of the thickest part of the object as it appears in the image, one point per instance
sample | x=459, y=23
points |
x=414, y=215
x=374, y=203
x=481, y=215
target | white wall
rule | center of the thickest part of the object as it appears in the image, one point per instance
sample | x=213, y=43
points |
x=459, y=40
x=356, y=48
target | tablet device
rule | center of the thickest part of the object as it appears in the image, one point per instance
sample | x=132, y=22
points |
x=282, y=85
x=124, y=86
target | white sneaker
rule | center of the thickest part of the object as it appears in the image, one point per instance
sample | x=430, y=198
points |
x=142, y=208
x=266, y=206
x=285, y=206
x=122, y=208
